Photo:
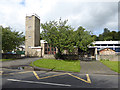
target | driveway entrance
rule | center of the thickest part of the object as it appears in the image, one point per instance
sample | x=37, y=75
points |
x=95, y=67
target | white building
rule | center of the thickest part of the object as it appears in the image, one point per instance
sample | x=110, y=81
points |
x=114, y=45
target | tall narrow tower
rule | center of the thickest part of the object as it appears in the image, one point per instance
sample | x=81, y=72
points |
x=32, y=38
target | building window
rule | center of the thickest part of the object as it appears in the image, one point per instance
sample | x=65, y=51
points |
x=29, y=27
x=29, y=46
x=29, y=17
x=110, y=44
x=116, y=44
x=97, y=44
x=29, y=36
x=49, y=49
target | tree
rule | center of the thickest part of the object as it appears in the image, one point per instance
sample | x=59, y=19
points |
x=59, y=35
x=83, y=38
x=107, y=35
x=106, y=31
x=118, y=36
x=11, y=39
x=63, y=36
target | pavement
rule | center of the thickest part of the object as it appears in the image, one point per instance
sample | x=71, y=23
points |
x=87, y=67
x=95, y=67
x=18, y=62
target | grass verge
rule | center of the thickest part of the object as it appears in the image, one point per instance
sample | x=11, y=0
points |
x=65, y=65
x=113, y=65
x=6, y=59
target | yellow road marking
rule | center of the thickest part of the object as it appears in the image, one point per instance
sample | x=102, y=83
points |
x=88, y=78
x=35, y=74
x=46, y=76
x=17, y=73
x=1, y=72
x=52, y=76
x=87, y=81
x=25, y=72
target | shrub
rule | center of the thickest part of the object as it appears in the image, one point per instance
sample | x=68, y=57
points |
x=58, y=56
x=104, y=60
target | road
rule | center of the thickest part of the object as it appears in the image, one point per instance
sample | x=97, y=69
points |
x=14, y=78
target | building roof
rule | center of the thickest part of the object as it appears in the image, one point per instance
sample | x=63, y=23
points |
x=32, y=14
x=43, y=41
x=106, y=42
x=23, y=46
x=36, y=47
x=104, y=48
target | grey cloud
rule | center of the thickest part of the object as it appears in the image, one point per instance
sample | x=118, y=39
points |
x=92, y=15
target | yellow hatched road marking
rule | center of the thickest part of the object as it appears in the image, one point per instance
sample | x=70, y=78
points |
x=1, y=72
x=25, y=72
x=35, y=74
x=47, y=76
x=53, y=76
x=87, y=81
x=88, y=78
x=17, y=73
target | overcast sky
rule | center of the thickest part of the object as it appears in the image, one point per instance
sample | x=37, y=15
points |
x=93, y=16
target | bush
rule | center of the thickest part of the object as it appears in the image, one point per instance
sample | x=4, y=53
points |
x=104, y=60
x=58, y=56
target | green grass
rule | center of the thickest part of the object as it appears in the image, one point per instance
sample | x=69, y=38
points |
x=113, y=65
x=64, y=65
x=6, y=59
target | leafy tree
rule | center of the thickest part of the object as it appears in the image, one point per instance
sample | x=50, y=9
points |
x=95, y=37
x=59, y=35
x=107, y=35
x=106, y=31
x=118, y=38
x=83, y=38
x=11, y=39
x=41, y=37
x=63, y=36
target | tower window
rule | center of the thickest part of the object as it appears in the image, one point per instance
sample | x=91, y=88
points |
x=29, y=46
x=29, y=36
x=29, y=17
x=29, y=26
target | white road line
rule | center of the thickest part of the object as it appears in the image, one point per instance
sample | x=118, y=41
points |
x=15, y=80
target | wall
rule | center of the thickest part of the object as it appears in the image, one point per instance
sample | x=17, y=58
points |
x=37, y=31
x=107, y=51
x=75, y=52
x=9, y=56
x=43, y=49
x=49, y=56
x=110, y=57
x=36, y=52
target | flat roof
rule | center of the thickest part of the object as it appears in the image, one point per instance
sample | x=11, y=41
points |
x=106, y=42
x=36, y=47
x=43, y=41
x=32, y=14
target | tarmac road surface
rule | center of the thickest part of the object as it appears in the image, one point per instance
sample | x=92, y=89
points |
x=13, y=78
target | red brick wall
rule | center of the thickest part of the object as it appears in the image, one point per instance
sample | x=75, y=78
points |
x=107, y=51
